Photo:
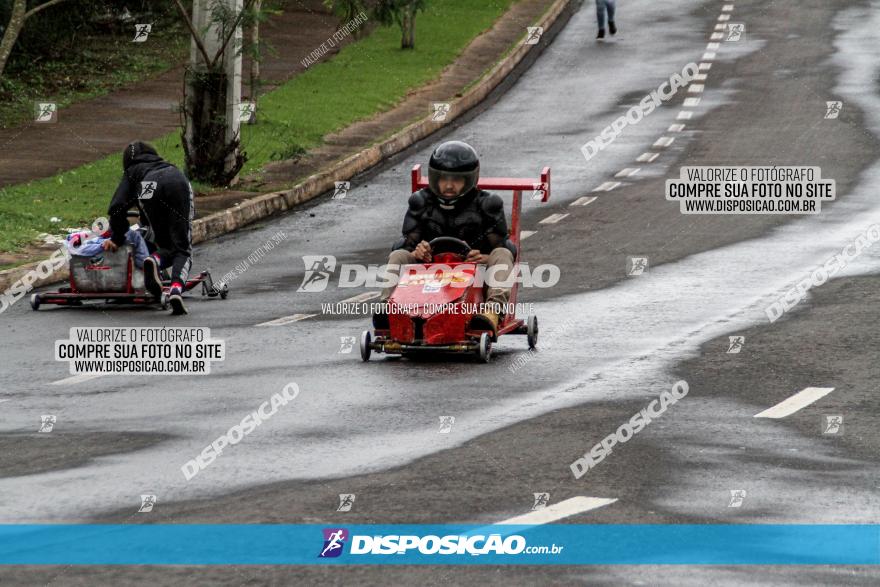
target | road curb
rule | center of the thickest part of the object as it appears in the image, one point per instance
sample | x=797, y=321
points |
x=266, y=205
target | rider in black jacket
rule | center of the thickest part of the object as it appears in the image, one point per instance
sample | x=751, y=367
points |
x=453, y=206
x=164, y=197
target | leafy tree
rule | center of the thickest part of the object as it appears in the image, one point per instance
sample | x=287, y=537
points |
x=402, y=13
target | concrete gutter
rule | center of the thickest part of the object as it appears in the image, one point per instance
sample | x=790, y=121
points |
x=266, y=205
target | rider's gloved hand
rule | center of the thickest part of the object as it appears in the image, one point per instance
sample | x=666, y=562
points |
x=109, y=245
x=422, y=252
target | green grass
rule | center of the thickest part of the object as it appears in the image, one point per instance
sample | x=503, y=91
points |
x=366, y=77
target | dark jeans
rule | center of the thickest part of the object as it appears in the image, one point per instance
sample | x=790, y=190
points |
x=603, y=6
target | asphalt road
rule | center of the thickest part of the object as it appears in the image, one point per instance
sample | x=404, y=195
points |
x=609, y=342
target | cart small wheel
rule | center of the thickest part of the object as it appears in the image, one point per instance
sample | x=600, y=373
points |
x=35, y=302
x=224, y=291
x=532, y=330
x=366, y=349
x=163, y=301
x=485, y=349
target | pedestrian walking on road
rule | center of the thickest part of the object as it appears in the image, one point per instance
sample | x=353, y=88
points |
x=603, y=7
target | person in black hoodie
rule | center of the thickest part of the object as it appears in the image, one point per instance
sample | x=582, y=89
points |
x=164, y=197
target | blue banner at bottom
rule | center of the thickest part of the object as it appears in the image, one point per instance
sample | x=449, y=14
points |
x=552, y=544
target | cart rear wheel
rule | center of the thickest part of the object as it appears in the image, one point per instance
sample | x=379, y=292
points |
x=366, y=349
x=35, y=302
x=485, y=348
x=532, y=331
x=224, y=291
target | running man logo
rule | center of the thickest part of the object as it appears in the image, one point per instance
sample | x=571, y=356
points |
x=148, y=190
x=833, y=108
x=735, y=344
x=346, y=344
x=341, y=189
x=318, y=272
x=334, y=541
x=538, y=191
x=45, y=112
x=832, y=424
x=737, y=497
x=47, y=423
x=534, y=35
x=141, y=32
x=541, y=501
x=735, y=31
x=147, y=503
x=441, y=111
x=346, y=501
x=247, y=113
x=446, y=423
x=636, y=265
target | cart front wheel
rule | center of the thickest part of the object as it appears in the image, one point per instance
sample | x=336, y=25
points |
x=532, y=331
x=35, y=302
x=485, y=348
x=366, y=349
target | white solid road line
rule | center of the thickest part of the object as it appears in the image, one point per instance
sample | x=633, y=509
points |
x=524, y=234
x=799, y=400
x=647, y=157
x=82, y=377
x=583, y=201
x=558, y=511
x=627, y=172
x=663, y=142
x=286, y=320
x=607, y=186
x=684, y=115
x=367, y=295
x=691, y=102
x=553, y=219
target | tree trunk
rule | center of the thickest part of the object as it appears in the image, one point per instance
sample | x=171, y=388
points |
x=16, y=23
x=257, y=55
x=408, y=24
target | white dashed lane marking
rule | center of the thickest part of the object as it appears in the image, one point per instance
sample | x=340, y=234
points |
x=663, y=142
x=558, y=511
x=696, y=88
x=724, y=17
x=675, y=128
x=684, y=115
x=81, y=378
x=647, y=157
x=553, y=219
x=717, y=36
x=719, y=27
x=367, y=295
x=700, y=77
x=799, y=400
x=691, y=102
x=583, y=201
x=286, y=320
x=727, y=8
x=607, y=186
x=704, y=66
x=524, y=234
x=709, y=55
x=627, y=172
x=713, y=46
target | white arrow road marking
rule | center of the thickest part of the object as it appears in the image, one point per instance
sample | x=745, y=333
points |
x=286, y=320
x=82, y=377
x=553, y=219
x=583, y=201
x=563, y=509
x=799, y=400
x=367, y=295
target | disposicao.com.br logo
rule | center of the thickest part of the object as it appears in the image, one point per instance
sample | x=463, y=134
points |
x=334, y=540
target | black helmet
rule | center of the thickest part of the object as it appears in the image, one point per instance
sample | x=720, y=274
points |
x=457, y=159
